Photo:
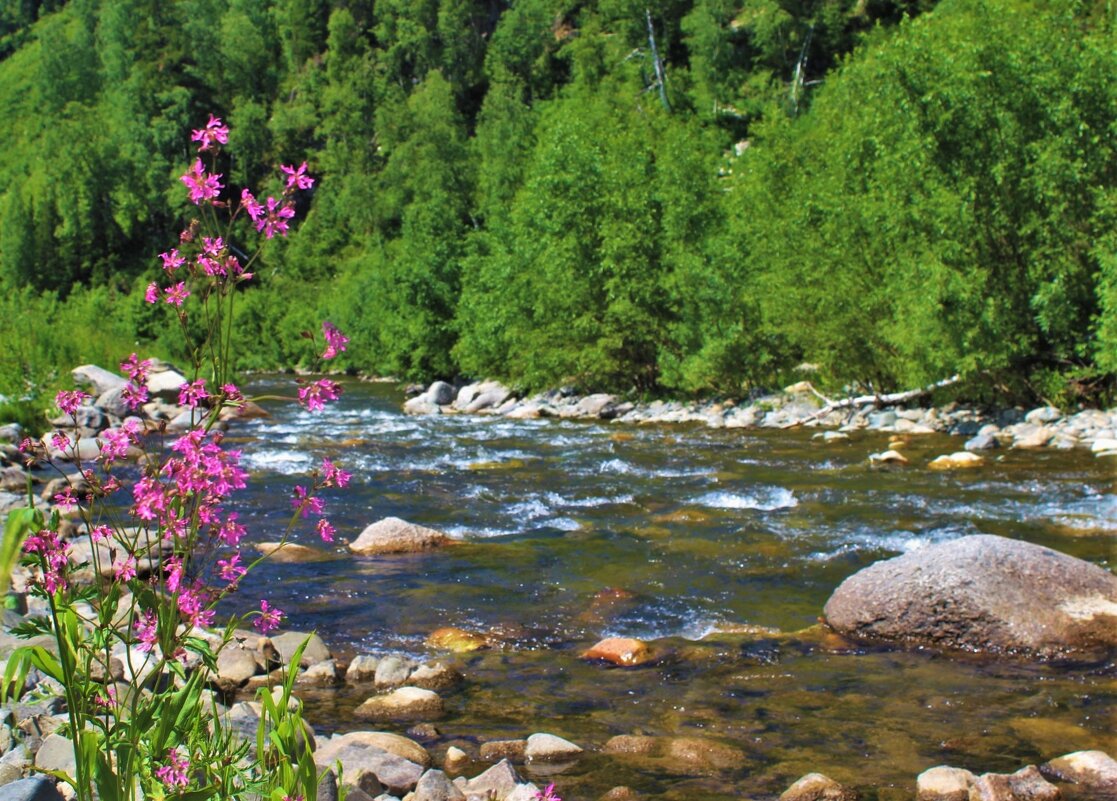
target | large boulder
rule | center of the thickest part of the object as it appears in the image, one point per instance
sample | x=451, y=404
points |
x=392, y=535
x=98, y=379
x=982, y=593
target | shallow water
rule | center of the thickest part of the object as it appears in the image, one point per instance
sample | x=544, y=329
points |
x=704, y=530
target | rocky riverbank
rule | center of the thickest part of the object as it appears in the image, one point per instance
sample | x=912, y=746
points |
x=797, y=406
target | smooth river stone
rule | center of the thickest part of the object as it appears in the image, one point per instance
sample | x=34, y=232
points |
x=392, y=535
x=624, y=651
x=406, y=703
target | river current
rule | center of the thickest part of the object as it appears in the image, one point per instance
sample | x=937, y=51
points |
x=719, y=547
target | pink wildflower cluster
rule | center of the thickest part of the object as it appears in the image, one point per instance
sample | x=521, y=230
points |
x=174, y=774
x=201, y=185
x=335, y=340
x=547, y=794
x=268, y=618
x=69, y=401
x=316, y=394
x=212, y=134
x=54, y=556
x=135, y=391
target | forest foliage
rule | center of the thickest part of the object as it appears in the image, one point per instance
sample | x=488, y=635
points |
x=687, y=196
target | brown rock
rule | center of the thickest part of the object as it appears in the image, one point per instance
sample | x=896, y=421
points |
x=496, y=750
x=456, y=760
x=292, y=553
x=630, y=744
x=406, y=703
x=982, y=593
x=1025, y=785
x=956, y=461
x=457, y=640
x=702, y=755
x=623, y=651
x=434, y=676
x=817, y=787
x=943, y=783
x=620, y=793
x=1095, y=771
x=397, y=744
x=392, y=535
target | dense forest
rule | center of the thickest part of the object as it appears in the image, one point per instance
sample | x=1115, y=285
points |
x=681, y=197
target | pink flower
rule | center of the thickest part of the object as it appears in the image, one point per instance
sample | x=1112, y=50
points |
x=175, y=571
x=192, y=606
x=333, y=476
x=134, y=396
x=147, y=630
x=151, y=295
x=115, y=442
x=232, y=393
x=297, y=177
x=325, y=530
x=69, y=401
x=124, y=570
x=107, y=700
x=251, y=205
x=201, y=186
x=268, y=618
x=99, y=533
x=230, y=570
x=305, y=504
x=316, y=395
x=275, y=222
x=335, y=340
x=193, y=393
x=231, y=531
x=175, y=772
x=65, y=500
x=548, y=794
x=176, y=294
x=54, y=556
x=214, y=132
x=136, y=368
x=171, y=261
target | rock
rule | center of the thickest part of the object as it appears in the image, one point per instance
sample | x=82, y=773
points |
x=1029, y=435
x=497, y=782
x=888, y=457
x=943, y=783
x=440, y=393
x=956, y=461
x=543, y=747
x=13, y=479
x=496, y=750
x=435, y=676
x=392, y=671
x=11, y=432
x=685, y=755
x=457, y=640
x=34, y=789
x=817, y=787
x=831, y=436
x=524, y=792
x=368, y=767
x=397, y=744
x=1044, y=414
x=56, y=753
x=98, y=379
x=620, y=793
x=288, y=642
x=623, y=651
x=285, y=553
x=982, y=442
x=112, y=402
x=1094, y=771
x=420, y=405
x=405, y=703
x=435, y=786
x=165, y=384
x=456, y=760
x=982, y=593
x=362, y=668
x=1025, y=785
x=475, y=398
x=1104, y=447
x=323, y=674
x=392, y=535
x=235, y=666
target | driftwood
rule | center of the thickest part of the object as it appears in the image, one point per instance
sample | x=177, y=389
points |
x=890, y=399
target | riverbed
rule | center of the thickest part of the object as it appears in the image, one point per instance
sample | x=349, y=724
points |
x=719, y=547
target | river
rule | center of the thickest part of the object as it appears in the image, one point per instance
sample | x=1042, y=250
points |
x=573, y=531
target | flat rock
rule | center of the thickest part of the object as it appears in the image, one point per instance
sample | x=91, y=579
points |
x=944, y=783
x=1025, y=784
x=362, y=763
x=543, y=747
x=56, y=753
x=683, y=755
x=402, y=747
x=497, y=782
x=434, y=676
x=405, y=703
x=288, y=642
x=457, y=640
x=235, y=666
x=392, y=535
x=982, y=593
x=292, y=552
x=1095, y=771
x=36, y=788
x=165, y=384
x=496, y=750
x=98, y=379
x=624, y=651
x=817, y=787
x=322, y=674
x=362, y=668
x=888, y=457
x=956, y=461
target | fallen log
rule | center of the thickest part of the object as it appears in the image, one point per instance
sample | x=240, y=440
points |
x=890, y=399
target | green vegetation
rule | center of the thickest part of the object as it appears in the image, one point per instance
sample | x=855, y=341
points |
x=691, y=196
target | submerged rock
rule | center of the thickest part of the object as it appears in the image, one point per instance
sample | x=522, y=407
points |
x=682, y=755
x=817, y=787
x=623, y=651
x=392, y=535
x=982, y=593
x=457, y=640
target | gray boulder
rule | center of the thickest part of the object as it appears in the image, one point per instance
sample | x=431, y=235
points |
x=982, y=593
x=288, y=642
x=392, y=535
x=33, y=789
x=435, y=786
x=98, y=379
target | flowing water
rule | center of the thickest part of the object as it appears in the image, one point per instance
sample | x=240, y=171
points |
x=573, y=531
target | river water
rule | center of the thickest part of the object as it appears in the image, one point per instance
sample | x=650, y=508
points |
x=573, y=531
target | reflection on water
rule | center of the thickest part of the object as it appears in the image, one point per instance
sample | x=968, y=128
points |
x=707, y=532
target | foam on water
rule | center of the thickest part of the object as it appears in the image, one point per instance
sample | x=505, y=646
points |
x=288, y=463
x=763, y=499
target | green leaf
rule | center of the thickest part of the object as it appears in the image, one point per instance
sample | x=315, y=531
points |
x=20, y=523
